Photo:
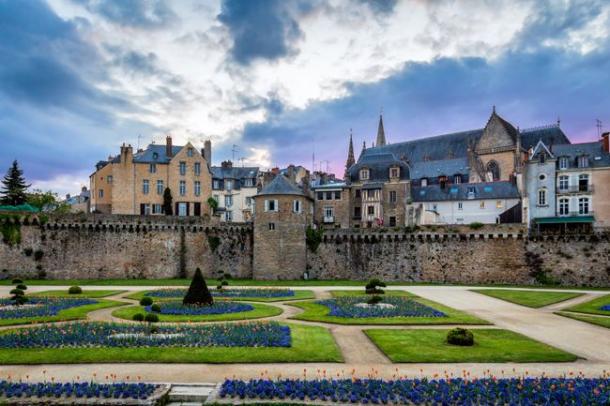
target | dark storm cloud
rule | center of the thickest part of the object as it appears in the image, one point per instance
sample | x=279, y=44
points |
x=145, y=14
x=261, y=29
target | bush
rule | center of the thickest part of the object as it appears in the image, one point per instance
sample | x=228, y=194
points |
x=476, y=225
x=138, y=317
x=17, y=291
x=372, y=288
x=22, y=286
x=146, y=301
x=155, y=308
x=313, y=238
x=374, y=300
x=151, y=318
x=17, y=281
x=75, y=290
x=461, y=337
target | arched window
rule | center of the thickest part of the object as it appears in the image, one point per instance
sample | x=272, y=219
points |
x=493, y=171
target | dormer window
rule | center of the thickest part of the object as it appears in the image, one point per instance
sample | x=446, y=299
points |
x=457, y=179
x=155, y=155
x=583, y=161
x=542, y=157
x=442, y=180
x=563, y=162
x=424, y=182
x=364, y=174
x=394, y=173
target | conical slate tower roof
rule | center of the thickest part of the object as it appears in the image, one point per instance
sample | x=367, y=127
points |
x=280, y=186
x=380, y=142
x=350, y=154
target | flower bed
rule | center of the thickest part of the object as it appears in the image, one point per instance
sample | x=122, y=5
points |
x=141, y=391
x=177, y=308
x=393, y=306
x=96, y=334
x=513, y=391
x=605, y=308
x=40, y=307
x=229, y=293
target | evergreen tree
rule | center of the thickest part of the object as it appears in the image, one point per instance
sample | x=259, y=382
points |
x=198, y=293
x=167, y=202
x=14, y=187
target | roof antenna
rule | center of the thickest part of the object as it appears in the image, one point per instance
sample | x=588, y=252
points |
x=233, y=151
x=493, y=110
x=558, y=121
x=598, y=124
x=139, y=136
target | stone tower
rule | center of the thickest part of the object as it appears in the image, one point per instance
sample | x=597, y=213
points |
x=350, y=156
x=380, y=142
x=282, y=213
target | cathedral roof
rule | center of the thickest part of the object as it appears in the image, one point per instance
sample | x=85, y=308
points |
x=433, y=169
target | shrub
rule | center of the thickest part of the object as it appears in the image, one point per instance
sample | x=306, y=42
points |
x=155, y=308
x=75, y=290
x=38, y=254
x=151, y=318
x=16, y=291
x=374, y=300
x=198, y=293
x=138, y=317
x=313, y=238
x=373, y=287
x=22, y=286
x=214, y=242
x=146, y=301
x=461, y=337
x=17, y=281
x=476, y=225
x=18, y=297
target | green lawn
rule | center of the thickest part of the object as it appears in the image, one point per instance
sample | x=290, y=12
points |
x=599, y=321
x=298, y=295
x=592, y=306
x=317, y=312
x=339, y=293
x=490, y=346
x=309, y=344
x=528, y=298
x=74, y=313
x=86, y=293
x=260, y=311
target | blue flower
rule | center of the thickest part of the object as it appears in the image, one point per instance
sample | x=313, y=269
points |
x=352, y=307
x=42, y=307
x=177, y=308
x=226, y=293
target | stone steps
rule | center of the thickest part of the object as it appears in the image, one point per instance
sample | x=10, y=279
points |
x=190, y=394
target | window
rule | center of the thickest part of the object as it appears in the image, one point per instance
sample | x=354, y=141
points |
x=271, y=205
x=482, y=204
x=442, y=180
x=542, y=197
x=364, y=174
x=197, y=188
x=424, y=182
x=542, y=158
x=145, y=209
x=100, y=193
x=329, y=212
x=152, y=168
x=583, y=205
x=189, y=152
x=564, y=182
x=271, y=226
x=357, y=193
x=249, y=182
x=394, y=172
x=564, y=207
x=157, y=208
x=228, y=200
x=498, y=204
x=229, y=184
x=109, y=179
x=357, y=212
x=248, y=201
x=457, y=179
x=542, y=176
x=337, y=195
x=460, y=206
x=370, y=210
x=434, y=207
x=296, y=206
x=563, y=162
x=160, y=187
x=215, y=184
x=145, y=186
x=182, y=188
x=182, y=168
x=155, y=155
x=228, y=215
x=493, y=171
x=583, y=183
x=329, y=195
x=217, y=198
x=392, y=221
x=371, y=194
x=197, y=168
x=583, y=161
x=392, y=196
x=320, y=195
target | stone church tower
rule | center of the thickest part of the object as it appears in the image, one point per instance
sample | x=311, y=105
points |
x=282, y=213
x=380, y=141
x=350, y=157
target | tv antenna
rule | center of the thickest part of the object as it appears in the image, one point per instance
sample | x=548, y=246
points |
x=598, y=124
x=234, y=150
x=242, y=161
x=140, y=136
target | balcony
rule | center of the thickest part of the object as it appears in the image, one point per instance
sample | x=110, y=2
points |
x=575, y=189
x=329, y=219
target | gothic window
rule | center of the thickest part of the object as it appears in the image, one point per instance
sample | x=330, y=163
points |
x=493, y=171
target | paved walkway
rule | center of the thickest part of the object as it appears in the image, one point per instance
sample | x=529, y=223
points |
x=362, y=358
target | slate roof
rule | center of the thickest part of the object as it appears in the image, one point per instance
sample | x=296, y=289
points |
x=482, y=191
x=218, y=172
x=379, y=166
x=597, y=157
x=280, y=185
x=154, y=153
x=433, y=169
x=336, y=184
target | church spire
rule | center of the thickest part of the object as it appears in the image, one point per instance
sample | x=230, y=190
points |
x=350, y=155
x=380, y=142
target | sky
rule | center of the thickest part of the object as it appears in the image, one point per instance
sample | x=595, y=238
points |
x=274, y=82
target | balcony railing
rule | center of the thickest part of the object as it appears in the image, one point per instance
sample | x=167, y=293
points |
x=575, y=189
x=577, y=214
x=329, y=219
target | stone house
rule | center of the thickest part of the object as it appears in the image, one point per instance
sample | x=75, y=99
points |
x=234, y=189
x=134, y=183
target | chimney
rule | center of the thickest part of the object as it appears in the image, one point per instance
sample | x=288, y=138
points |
x=207, y=151
x=226, y=164
x=305, y=185
x=126, y=154
x=168, y=146
x=275, y=170
x=606, y=142
x=68, y=196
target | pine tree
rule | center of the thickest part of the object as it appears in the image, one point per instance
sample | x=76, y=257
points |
x=198, y=293
x=14, y=187
x=167, y=202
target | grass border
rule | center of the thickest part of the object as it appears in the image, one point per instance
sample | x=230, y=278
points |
x=505, y=294
x=602, y=321
x=592, y=306
x=260, y=311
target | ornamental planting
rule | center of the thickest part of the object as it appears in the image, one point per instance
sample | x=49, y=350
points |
x=177, y=308
x=40, y=307
x=393, y=306
x=226, y=293
x=99, y=334
x=89, y=390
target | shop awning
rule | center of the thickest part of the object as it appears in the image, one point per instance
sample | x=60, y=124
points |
x=565, y=220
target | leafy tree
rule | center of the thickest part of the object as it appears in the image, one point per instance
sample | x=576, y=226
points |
x=14, y=187
x=198, y=293
x=167, y=202
x=213, y=203
x=41, y=200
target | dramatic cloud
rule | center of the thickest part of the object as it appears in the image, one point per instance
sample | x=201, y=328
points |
x=134, y=13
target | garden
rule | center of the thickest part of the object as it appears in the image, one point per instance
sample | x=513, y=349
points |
x=596, y=311
x=249, y=294
x=529, y=298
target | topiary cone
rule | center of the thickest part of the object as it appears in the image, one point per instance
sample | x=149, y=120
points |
x=198, y=293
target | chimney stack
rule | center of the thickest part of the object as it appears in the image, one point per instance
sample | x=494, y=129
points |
x=226, y=164
x=207, y=151
x=168, y=146
x=606, y=142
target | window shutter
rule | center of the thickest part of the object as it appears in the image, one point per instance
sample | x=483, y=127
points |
x=266, y=205
x=276, y=206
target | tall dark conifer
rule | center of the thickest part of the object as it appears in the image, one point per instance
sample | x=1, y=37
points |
x=167, y=202
x=14, y=187
x=198, y=293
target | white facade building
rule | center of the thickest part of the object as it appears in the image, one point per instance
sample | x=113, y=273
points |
x=233, y=188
